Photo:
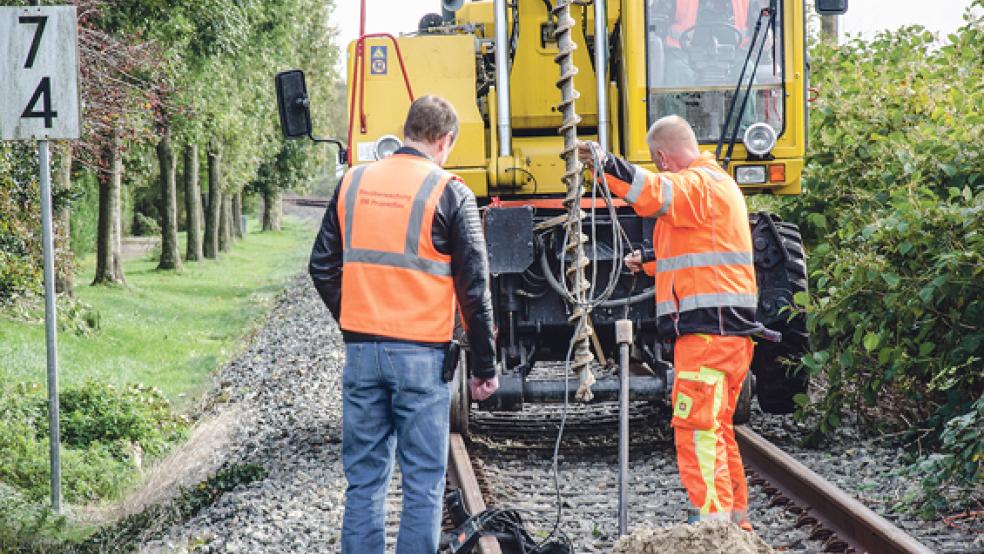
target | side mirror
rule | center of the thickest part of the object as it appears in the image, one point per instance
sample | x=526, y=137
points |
x=295, y=110
x=831, y=7
x=293, y=104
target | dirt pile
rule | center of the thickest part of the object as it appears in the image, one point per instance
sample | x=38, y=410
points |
x=707, y=537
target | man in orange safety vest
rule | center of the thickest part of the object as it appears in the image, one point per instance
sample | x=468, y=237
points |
x=399, y=250
x=706, y=299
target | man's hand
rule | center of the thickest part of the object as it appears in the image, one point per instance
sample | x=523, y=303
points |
x=481, y=389
x=633, y=261
x=584, y=152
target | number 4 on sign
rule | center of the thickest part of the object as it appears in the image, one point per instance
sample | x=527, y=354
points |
x=41, y=94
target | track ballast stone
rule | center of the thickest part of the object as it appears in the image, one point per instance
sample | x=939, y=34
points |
x=288, y=387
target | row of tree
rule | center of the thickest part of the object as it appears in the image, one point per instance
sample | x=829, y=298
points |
x=189, y=80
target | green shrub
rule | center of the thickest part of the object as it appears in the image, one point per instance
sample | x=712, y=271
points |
x=102, y=426
x=893, y=213
x=98, y=413
x=144, y=226
x=958, y=464
x=24, y=525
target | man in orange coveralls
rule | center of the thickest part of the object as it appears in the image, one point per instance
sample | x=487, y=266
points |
x=706, y=298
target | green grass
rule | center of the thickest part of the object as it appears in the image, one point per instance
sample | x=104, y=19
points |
x=164, y=329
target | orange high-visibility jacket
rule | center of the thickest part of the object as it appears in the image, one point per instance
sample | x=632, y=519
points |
x=395, y=283
x=685, y=18
x=704, y=268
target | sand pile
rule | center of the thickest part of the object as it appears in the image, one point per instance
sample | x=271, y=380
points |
x=706, y=537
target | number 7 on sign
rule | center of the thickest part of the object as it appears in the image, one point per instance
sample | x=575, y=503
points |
x=40, y=21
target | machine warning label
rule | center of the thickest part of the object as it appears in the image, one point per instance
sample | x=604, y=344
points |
x=378, y=56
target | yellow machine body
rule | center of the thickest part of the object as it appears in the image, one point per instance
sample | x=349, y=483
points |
x=449, y=63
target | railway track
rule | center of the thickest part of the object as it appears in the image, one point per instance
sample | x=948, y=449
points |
x=307, y=202
x=485, y=469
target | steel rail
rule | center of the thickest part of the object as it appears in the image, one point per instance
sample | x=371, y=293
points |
x=825, y=504
x=462, y=475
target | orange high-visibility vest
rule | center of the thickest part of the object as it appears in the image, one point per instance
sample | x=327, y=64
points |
x=686, y=17
x=704, y=268
x=394, y=281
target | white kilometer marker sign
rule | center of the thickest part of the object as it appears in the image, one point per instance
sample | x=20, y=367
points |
x=39, y=100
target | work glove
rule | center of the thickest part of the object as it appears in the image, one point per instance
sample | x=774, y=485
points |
x=481, y=388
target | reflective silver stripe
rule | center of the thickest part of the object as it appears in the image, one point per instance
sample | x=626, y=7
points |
x=350, y=196
x=408, y=259
x=704, y=259
x=718, y=300
x=638, y=181
x=665, y=308
x=711, y=300
x=396, y=259
x=667, y=196
x=417, y=213
x=713, y=174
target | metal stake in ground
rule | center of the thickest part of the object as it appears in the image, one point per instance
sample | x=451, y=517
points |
x=623, y=335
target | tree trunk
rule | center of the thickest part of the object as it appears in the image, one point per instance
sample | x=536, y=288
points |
x=225, y=224
x=65, y=276
x=272, y=209
x=214, y=202
x=237, y=215
x=170, y=258
x=109, y=263
x=193, y=204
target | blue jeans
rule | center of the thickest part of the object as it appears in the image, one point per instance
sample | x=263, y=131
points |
x=394, y=401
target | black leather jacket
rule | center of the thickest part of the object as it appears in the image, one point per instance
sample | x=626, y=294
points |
x=456, y=231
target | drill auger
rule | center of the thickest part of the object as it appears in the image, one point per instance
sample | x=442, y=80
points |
x=580, y=317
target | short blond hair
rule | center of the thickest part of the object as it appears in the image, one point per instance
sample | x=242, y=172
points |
x=672, y=133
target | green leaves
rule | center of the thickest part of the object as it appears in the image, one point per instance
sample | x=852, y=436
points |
x=893, y=217
x=871, y=342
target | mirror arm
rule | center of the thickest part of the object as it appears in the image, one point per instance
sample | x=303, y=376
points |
x=342, y=151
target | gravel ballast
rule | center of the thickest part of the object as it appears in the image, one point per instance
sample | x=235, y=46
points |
x=285, y=387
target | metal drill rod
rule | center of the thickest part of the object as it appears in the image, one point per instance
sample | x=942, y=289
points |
x=573, y=179
x=623, y=334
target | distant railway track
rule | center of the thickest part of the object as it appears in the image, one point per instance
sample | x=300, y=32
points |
x=307, y=202
x=837, y=521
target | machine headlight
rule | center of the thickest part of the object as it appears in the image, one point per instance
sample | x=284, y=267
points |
x=760, y=139
x=386, y=146
x=750, y=174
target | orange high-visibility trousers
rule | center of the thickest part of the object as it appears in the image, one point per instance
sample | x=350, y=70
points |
x=709, y=371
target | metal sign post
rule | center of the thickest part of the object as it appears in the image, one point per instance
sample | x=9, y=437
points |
x=39, y=75
x=50, y=325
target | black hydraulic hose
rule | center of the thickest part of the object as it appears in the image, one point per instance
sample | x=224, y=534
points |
x=741, y=81
x=748, y=90
x=514, y=34
x=647, y=294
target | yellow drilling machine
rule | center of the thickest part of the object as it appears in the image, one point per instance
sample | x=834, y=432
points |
x=531, y=77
